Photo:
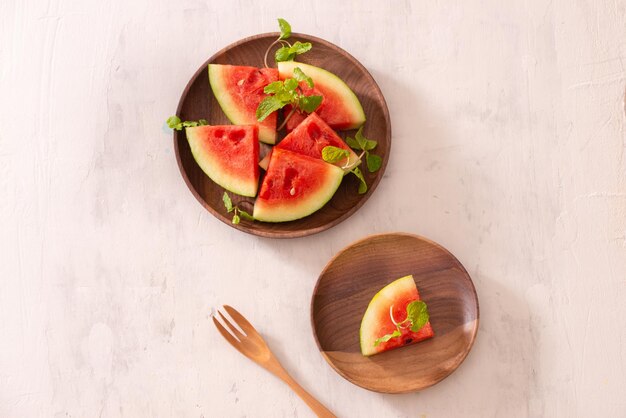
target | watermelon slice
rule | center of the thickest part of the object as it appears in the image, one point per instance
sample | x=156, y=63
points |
x=295, y=186
x=340, y=107
x=310, y=138
x=377, y=320
x=239, y=90
x=228, y=155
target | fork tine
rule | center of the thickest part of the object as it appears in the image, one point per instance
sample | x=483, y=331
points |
x=233, y=329
x=241, y=321
x=227, y=336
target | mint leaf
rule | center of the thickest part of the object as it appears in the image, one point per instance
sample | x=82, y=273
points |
x=287, y=92
x=236, y=219
x=387, y=337
x=370, y=144
x=364, y=143
x=290, y=84
x=288, y=53
x=227, y=202
x=273, y=87
x=245, y=215
x=360, y=139
x=373, y=162
x=299, y=75
x=284, y=54
x=352, y=143
x=173, y=122
x=417, y=313
x=267, y=106
x=285, y=28
x=332, y=154
x=309, y=103
x=300, y=47
x=363, y=185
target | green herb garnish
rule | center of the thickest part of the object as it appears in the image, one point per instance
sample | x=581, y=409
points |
x=417, y=313
x=361, y=143
x=285, y=28
x=331, y=155
x=287, y=52
x=238, y=212
x=287, y=92
x=387, y=337
x=174, y=122
x=363, y=184
x=416, y=316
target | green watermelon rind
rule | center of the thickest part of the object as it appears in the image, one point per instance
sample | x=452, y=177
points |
x=368, y=333
x=212, y=167
x=331, y=81
x=230, y=108
x=304, y=207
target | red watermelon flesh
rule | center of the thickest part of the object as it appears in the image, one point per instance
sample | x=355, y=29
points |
x=228, y=154
x=239, y=90
x=310, y=138
x=329, y=109
x=295, y=186
x=294, y=120
x=377, y=320
x=340, y=108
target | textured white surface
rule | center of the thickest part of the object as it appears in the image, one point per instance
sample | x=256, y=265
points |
x=508, y=149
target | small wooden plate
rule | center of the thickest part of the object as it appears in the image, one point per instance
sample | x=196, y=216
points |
x=356, y=274
x=198, y=102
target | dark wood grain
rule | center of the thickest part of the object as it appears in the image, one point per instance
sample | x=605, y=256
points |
x=356, y=274
x=197, y=102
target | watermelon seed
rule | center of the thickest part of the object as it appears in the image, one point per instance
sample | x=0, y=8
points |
x=292, y=191
x=240, y=82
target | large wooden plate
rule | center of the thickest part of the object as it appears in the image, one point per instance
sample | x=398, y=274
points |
x=356, y=274
x=197, y=102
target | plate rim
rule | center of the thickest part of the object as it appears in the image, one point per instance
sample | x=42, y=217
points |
x=373, y=236
x=269, y=233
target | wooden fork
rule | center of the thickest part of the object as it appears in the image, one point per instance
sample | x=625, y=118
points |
x=252, y=345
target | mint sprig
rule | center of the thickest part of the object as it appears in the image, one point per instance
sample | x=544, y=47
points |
x=387, y=337
x=174, y=122
x=285, y=28
x=362, y=183
x=332, y=154
x=359, y=143
x=287, y=52
x=238, y=212
x=287, y=92
x=416, y=316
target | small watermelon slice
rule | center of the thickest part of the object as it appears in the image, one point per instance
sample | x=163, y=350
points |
x=239, y=90
x=295, y=186
x=377, y=320
x=228, y=155
x=340, y=107
x=310, y=138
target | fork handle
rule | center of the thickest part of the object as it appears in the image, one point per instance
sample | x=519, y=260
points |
x=315, y=405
